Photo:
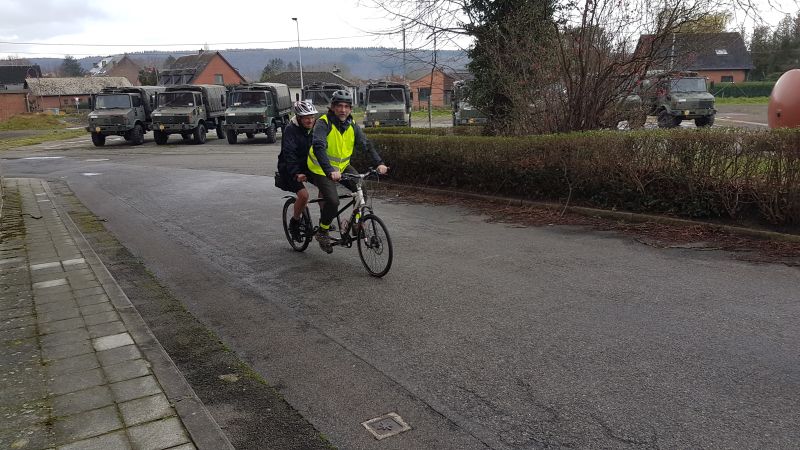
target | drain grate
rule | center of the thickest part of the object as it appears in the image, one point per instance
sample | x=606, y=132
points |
x=386, y=426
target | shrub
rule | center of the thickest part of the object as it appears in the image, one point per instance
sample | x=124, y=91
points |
x=731, y=174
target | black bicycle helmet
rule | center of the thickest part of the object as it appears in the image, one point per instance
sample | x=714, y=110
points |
x=342, y=96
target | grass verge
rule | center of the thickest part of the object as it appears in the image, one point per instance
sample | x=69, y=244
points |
x=742, y=100
x=53, y=135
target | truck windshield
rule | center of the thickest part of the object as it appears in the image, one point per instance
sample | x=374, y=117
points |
x=319, y=97
x=112, y=101
x=689, y=85
x=386, y=96
x=249, y=98
x=176, y=99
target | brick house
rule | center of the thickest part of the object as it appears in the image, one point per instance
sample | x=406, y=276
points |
x=292, y=80
x=205, y=67
x=721, y=57
x=14, y=88
x=114, y=66
x=60, y=93
x=436, y=86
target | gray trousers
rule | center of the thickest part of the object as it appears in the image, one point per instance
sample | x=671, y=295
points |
x=327, y=188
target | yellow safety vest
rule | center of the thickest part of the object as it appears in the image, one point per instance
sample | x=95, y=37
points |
x=340, y=149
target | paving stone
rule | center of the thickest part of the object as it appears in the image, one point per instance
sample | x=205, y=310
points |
x=48, y=275
x=50, y=284
x=23, y=414
x=73, y=262
x=76, y=381
x=13, y=350
x=87, y=424
x=103, y=317
x=65, y=337
x=15, y=313
x=91, y=299
x=72, y=364
x=65, y=351
x=117, y=355
x=161, y=434
x=54, y=290
x=89, y=291
x=42, y=299
x=45, y=266
x=96, y=308
x=62, y=325
x=135, y=388
x=127, y=370
x=117, y=440
x=113, y=341
x=66, y=303
x=184, y=447
x=34, y=436
x=68, y=312
x=145, y=409
x=17, y=322
x=18, y=333
x=86, y=400
x=106, y=329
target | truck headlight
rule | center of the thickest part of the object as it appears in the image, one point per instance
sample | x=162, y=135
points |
x=681, y=100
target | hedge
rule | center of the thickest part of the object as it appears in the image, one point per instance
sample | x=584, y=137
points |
x=462, y=130
x=746, y=89
x=729, y=174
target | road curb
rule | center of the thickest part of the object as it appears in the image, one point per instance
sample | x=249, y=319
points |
x=614, y=215
x=201, y=425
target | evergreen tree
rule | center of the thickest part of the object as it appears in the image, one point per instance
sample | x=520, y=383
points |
x=71, y=68
x=274, y=67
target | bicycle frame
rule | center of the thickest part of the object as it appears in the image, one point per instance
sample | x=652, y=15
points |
x=358, y=203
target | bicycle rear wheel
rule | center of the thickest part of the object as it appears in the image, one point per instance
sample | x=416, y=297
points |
x=374, y=245
x=306, y=227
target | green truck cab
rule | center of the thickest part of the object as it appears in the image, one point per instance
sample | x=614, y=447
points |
x=189, y=110
x=257, y=108
x=463, y=112
x=122, y=111
x=388, y=104
x=320, y=94
x=677, y=96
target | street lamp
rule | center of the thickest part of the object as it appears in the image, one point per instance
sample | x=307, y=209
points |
x=299, y=54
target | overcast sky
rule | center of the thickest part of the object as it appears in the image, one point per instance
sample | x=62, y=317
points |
x=153, y=25
x=104, y=27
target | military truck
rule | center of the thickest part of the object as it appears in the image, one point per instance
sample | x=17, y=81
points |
x=122, y=111
x=677, y=96
x=320, y=94
x=463, y=112
x=387, y=104
x=189, y=110
x=257, y=108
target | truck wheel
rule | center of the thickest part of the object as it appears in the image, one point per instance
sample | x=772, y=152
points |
x=200, y=134
x=137, y=135
x=220, y=131
x=666, y=120
x=232, y=136
x=98, y=139
x=250, y=135
x=706, y=121
x=160, y=137
x=271, y=134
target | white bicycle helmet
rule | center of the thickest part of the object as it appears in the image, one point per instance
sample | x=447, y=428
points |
x=304, y=108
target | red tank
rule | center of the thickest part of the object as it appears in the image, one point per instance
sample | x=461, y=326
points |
x=784, y=102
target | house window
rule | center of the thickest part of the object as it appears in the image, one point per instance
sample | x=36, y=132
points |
x=218, y=78
x=726, y=79
x=424, y=94
x=448, y=97
x=721, y=51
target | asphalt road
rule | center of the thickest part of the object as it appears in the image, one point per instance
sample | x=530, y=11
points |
x=483, y=335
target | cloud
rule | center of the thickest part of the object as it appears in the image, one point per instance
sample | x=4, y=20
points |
x=41, y=20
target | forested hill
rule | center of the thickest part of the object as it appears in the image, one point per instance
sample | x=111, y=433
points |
x=362, y=63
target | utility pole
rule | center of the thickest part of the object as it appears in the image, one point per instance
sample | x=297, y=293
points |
x=299, y=54
x=404, y=49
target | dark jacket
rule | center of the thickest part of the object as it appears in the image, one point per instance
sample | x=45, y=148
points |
x=295, y=143
x=320, y=142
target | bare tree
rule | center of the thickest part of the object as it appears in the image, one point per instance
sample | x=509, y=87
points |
x=558, y=65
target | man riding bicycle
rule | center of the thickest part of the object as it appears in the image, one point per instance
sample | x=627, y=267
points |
x=295, y=144
x=335, y=137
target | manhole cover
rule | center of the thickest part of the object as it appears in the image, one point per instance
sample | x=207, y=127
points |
x=386, y=426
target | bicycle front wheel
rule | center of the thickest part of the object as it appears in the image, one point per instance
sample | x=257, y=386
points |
x=306, y=227
x=374, y=245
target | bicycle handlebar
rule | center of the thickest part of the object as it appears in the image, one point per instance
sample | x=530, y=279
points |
x=361, y=176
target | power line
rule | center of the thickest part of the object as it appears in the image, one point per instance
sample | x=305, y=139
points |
x=182, y=44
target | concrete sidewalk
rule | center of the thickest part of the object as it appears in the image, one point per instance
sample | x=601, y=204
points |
x=79, y=368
